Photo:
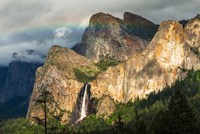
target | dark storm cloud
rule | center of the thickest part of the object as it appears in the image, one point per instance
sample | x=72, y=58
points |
x=21, y=20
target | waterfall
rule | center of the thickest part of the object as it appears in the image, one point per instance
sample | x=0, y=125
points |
x=83, y=105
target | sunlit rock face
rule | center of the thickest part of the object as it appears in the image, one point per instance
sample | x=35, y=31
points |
x=110, y=37
x=192, y=41
x=191, y=33
x=160, y=64
x=105, y=107
x=57, y=77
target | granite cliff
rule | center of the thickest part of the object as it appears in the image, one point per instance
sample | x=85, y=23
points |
x=110, y=37
x=16, y=85
x=17, y=80
x=58, y=76
x=173, y=50
x=170, y=52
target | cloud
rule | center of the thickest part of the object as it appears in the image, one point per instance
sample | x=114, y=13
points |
x=18, y=14
x=29, y=56
x=62, y=32
x=39, y=24
x=38, y=40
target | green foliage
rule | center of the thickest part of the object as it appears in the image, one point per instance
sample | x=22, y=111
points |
x=178, y=118
x=88, y=73
x=139, y=124
x=23, y=126
x=19, y=126
x=195, y=104
x=52, y=118
x=91, y=125
x=105, y=63
x=54, y=126
x=119, y=127
x=85, y=75
x=125, y=111
x=18, y=109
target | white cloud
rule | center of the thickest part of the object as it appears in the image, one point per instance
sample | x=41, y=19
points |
x=62, y=32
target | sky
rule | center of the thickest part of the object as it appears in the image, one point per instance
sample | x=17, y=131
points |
x=39, y=24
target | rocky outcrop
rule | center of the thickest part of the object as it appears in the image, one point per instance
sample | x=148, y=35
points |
x=105, y=107
x=109, y=37
x=161, y=63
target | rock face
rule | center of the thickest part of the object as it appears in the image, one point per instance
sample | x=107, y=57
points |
x=16, y=85
x=110, y=37
x=105, y=107
x=3, y=75
x=160, y=64
x=191, y=34
x=17, y=80
x=138, y=26
x=59, y=79
x=172, y=50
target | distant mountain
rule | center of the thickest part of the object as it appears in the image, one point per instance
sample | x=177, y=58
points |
x=3, y=75
x=16, y=85
x=19, y=80
x=110, y=37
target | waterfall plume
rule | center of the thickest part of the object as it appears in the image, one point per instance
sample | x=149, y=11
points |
x=83, y=112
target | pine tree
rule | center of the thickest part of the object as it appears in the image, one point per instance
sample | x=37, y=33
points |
x=178, y=118
x=44, y=99
x=52, y=120
x=118, y=126
x=140, y=127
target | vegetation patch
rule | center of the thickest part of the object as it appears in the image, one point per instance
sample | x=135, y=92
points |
x=19, y=126
x=85, y=74
x=88, y=73
x=105, y=63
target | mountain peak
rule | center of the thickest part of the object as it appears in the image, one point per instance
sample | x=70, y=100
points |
x=139, y=26
x=109, y=37
x=104, y=19
x=136, y=19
